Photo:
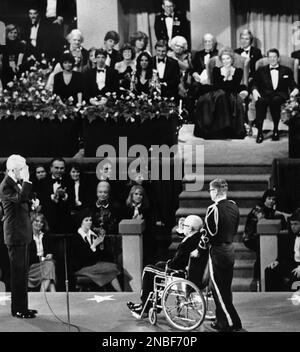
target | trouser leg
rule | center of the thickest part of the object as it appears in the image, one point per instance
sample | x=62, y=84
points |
x=275, y=108
x=261, y=110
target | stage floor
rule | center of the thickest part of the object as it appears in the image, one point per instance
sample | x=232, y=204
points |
x=107, y=312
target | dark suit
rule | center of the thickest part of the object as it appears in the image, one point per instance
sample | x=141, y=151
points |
x=17, y=236
x=254, y=55
x=217, y=241
x=47, y=247
x=64, y=8
x=271, y=97
x=178, y=262
x=180, y=27
x=41, y=40
x=296, y=55
x=281, y=277
x=91, y=87
x=171, y=77
x=115, y=57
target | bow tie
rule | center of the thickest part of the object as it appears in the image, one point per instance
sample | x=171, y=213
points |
x=246, y=51
x=34, y=25
x=100, y=70
x=161, y=60
x=171, y=16
x=207, y=52
x=274, y=68
x=56, y=180
x=102, y=204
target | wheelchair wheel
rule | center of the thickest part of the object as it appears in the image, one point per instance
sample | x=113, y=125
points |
x=183, y=305
x=152, y=315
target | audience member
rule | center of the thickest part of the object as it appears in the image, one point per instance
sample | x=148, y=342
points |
x=92, y=63
x=144, y=73
x=105, y=221
x=266, y=209
x=296, y=55
x=272, y=85
x=101, y=79
x=87, y=254
x=40, y=172
x=68, y=84
x=220, y=113
x=139, y=41
x=127, y=66
x=111, y=39
x=179, y=52
x=36, y=36
x=41, y=264
x=249, y=51
x=281, y=273
x=199, y=64
x=192, y=232
x=12, y=54
x=81, y=55
x=168, y=71
x=169, y=23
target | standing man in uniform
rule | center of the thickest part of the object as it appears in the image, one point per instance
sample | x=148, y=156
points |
x=220, y=226
x=14, y=195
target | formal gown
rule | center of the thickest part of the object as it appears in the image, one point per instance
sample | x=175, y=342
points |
x=68, y=90
x=220, y=113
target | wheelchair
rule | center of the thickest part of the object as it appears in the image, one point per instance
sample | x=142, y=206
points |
x=181, y=300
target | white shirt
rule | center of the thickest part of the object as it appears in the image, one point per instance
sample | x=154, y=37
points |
x=297, y=249
x=244, y=54
x=39, y=244
x=274, y=77
x=90, y=235
x=100, y=79
x=51, y=8
x=33, y=34
x=206, y=58
x=56, y=185
x=169, y=25
x=161, y=66
x=108, y=60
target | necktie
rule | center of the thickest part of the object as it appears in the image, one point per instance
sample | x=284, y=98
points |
x=274, y=68
x=160, y=60
x=86, y=240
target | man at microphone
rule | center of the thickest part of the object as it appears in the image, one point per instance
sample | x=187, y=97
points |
x=14, y=195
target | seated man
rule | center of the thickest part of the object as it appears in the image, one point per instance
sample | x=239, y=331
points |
x=281, y=273
x=167, y=69
x=101, y=79
x=273, y=84
x=192, y=226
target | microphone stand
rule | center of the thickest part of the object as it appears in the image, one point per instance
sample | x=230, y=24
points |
x=67, y=282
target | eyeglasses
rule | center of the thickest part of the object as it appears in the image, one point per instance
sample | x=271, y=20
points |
x=184, y=225
x=212, y=189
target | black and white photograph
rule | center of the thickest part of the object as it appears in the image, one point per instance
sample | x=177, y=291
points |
x=149, y=170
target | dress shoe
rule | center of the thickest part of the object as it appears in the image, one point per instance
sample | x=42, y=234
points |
x=275, y=136
x=259, y=138
x=24, y=315
x=215, y=325
x=33, y=311
x=136, y=309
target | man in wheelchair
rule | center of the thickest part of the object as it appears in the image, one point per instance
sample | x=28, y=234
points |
x=192, y=234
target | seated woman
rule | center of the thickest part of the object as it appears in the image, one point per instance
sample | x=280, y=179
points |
x=13, y=54
x=144, y=73
x=139, y=42
x=87, y=255
x=91, y=64
x=220, y=113
x=266, y=209
x=68, y=83
x=127, y=66
x=41, y=264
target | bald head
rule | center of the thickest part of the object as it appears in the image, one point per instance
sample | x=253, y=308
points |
x=192, y=224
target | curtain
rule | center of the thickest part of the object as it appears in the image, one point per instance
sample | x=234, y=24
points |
x=274, y=25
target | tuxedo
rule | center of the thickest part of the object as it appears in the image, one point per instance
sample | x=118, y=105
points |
x=271, y=97
x=254, y=56
x=41, y=40
x=91, y=87
x=17, y=236
x=171, y=77
x=198, y=63
x=115, y=57
x=180, y=27
x=57, y=214
x=64, y=8
x=84, y=194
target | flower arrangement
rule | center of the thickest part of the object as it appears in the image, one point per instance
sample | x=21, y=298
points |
x=290, y=109
x=130, y=107
x=27, y=96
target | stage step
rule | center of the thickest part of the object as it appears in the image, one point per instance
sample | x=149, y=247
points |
x=240, y=284
x=243, y=199
x=243, y=268
x=233, y=169
x=184, y=212
x=236, y=182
